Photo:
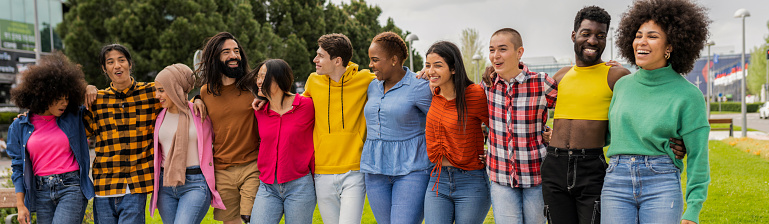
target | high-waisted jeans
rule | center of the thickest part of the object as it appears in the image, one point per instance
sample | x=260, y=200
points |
x=642, y=189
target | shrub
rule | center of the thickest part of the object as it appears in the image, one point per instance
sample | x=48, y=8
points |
x=735, y=106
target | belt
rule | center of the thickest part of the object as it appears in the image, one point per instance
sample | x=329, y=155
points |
x=586, y=152
x=189, y=171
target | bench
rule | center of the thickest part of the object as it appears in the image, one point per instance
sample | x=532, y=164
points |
x=8, y=200
x=723, y=121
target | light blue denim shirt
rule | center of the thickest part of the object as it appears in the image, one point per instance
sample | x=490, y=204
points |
x=395, y=127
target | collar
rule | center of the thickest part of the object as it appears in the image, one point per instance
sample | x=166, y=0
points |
x=657, y=76
x=125, y=92
x=294, y=104
x=406, y=80
x=520, y=78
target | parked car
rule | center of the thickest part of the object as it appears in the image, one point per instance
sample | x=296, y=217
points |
x=763, y=111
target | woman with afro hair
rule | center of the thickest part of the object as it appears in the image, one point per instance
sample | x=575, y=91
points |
x=651, y=106
x=48, y=148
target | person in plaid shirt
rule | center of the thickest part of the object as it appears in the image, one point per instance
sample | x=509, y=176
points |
x=122, y=118
x=518, y=102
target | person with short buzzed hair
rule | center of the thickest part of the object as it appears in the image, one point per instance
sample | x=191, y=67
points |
x=518, y=101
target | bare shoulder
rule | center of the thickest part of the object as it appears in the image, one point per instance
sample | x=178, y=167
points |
x=615, y=73
x=560, y=73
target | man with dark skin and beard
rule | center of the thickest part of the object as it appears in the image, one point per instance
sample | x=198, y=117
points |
x=236, y=137
x=574, y=167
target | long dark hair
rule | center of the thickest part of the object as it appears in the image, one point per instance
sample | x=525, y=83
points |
x=210, y=71
x=451, y=54
x=278, y=71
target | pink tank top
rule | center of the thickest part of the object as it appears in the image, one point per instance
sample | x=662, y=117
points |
x=49, y=149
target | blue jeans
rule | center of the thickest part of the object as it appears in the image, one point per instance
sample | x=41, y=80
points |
x=128, y=208
x=187, y=203
x=517, y=205
x=295, y=199
x=462, y=196
x=59, y=198
x=341, y=196
x=397, y=199
x=642, y=189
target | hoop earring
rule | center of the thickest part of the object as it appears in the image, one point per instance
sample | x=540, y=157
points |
x=667, y=55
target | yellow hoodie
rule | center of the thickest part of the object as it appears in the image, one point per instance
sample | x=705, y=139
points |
x=340, y=127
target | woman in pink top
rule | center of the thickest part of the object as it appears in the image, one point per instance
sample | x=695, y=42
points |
x=183, y=156
x=48, y=148
x=286, y=159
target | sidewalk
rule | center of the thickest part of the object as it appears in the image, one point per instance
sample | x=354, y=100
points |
x=720, y=135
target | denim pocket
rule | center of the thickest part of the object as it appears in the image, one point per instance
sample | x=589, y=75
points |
x=194, y=178
x=662, y=168
x=612, y=165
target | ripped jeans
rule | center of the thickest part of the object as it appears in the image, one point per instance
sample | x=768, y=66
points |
x=571, y=185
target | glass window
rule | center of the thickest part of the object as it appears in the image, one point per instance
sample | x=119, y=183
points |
x=17, y=11
x=57, y=16
x=5, y=9
x=44, y=19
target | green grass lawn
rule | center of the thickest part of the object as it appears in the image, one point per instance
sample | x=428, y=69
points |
x=736, y=128
x=738, y=193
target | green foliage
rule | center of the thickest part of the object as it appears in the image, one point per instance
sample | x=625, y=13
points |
x=470, y=46
x=162, y=32
x=757, y=67
x=7, y=117
x=735, y=106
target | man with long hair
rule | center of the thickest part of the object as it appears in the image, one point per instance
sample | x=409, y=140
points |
x=236, y=138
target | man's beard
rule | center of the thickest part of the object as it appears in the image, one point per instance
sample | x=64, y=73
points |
x=235, y=73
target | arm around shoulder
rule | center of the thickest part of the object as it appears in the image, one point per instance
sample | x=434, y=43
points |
x=615, y=73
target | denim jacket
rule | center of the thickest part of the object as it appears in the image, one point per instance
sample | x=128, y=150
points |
x=23, y=177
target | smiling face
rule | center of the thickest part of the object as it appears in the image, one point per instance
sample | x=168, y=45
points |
x=230, y=58
x=260, y=80
x=504, y=55
x=650, y=46
x=324, y=64
x=118, y=68
x=382, y=64
x=589, y=42
x=439, y=72
x=165, y=101
x=57, y=107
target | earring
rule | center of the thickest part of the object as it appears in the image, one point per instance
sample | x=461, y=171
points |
x=393, y=64
x=667, y=55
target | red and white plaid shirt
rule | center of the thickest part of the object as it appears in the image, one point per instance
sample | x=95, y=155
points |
x=517, y=116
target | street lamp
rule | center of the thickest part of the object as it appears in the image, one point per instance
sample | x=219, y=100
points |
x=411, y=38
x=611, y=42
x=742, y=13
x=709, y=79
x=477, y=59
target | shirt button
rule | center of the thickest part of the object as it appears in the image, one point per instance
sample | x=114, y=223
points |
x=632, y=159
x=210, y=164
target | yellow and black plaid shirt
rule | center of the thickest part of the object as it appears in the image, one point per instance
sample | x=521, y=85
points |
x=123, y=123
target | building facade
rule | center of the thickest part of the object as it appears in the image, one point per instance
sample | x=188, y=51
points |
x=17, y=37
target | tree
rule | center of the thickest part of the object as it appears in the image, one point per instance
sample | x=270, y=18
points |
x=162, y=32
x=757, y=67
x=471, y=46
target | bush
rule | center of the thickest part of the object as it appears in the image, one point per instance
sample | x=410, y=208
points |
x=735, y=106
x=7, y=117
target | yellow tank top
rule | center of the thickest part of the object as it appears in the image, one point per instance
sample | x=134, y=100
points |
x=584, y=94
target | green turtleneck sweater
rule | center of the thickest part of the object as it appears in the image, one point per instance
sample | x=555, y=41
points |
x=651, y=106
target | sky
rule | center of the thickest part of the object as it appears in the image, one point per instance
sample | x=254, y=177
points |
x=546, y=25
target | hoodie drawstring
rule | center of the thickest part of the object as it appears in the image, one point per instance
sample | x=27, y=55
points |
x=341, y=96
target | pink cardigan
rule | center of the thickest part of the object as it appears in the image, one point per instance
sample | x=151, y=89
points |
x=205, y=152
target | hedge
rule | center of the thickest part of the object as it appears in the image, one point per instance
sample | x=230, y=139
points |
x=735, y=106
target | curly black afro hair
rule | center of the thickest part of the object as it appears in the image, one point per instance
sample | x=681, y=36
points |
x=53, y=77
x=594, y=13
x=684, y=22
